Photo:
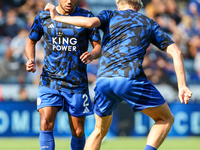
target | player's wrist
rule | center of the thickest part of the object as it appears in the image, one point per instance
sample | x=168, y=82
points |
x=92, y=55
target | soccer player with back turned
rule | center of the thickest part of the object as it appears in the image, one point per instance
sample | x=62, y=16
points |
x=120, y=77
x=63, y=82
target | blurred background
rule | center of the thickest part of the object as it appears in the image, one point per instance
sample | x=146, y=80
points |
x=180, y=19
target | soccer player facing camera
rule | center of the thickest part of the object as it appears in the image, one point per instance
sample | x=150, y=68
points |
x=120, y=77
x=63, y=81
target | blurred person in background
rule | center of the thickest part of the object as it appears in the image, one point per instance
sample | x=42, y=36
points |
x=195, y=49
x=23, y=94
x=11, y=70
x=11, y=27
x=63, y=82
x=17, y=46
x=39, y=5
x=159, y=68
x=92, y=71
x=154, y=8
x=193, y=8
x=183, y=34
x=82, y=4
x=13, y=63
x=120, y=77
x=2, y=21
x=92, y=76
x=173, y=11
x=14, y=3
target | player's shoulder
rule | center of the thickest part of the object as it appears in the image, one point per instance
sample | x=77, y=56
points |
x=109, y=13
x=83, y=12
x=140, y=17
x=43, y=14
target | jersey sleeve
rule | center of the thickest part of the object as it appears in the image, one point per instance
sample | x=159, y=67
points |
x=161, y=39
x=104, y=18
x=36, y=31
x=94, y=34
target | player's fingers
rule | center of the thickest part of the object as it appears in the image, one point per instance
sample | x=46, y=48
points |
x=181, y=99
x=34, y=69
x=30, y=62
x=29, y=65
x=186, y=100
x=46, y=7
x=49, y=7
x=189, y=94
x=87, y=62
x=83, y=55
x=29, y=69
x=86, y=58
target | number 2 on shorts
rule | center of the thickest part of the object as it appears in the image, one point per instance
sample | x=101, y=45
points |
x=85, y=103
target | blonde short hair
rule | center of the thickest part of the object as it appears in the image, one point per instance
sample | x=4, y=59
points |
x=134, y=3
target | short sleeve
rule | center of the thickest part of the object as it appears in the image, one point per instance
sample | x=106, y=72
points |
x=94, y=34
x=161, y=39
x=36, y=31
x=104, y=17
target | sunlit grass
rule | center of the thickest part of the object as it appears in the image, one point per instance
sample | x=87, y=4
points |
x=119, y=143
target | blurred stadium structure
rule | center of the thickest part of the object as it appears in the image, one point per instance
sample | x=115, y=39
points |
x=179, y=18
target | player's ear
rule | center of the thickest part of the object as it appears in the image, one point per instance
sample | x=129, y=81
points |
x=118, y=6
x=138, y=8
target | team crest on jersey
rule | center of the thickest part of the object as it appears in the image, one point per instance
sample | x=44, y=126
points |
x=38, y=101
x=77, y=27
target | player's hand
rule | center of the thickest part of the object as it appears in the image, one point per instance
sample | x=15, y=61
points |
x=31, y=66
x=184, y=94
x=86, y=57
x=50, y=7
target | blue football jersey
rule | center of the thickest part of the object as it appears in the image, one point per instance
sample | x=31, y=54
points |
x=63, y=45
x=127, y=35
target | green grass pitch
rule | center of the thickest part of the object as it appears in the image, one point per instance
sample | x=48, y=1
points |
x=119, y=143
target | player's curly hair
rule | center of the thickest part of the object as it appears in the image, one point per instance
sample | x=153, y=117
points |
x=134, y=3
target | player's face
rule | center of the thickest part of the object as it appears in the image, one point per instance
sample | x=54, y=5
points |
x=67, y=6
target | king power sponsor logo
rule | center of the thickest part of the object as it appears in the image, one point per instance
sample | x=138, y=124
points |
x=61, y=43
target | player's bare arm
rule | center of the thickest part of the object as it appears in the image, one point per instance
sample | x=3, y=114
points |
x=184, y=91
x=85, y=22
x=87, y=57
x=30, y=53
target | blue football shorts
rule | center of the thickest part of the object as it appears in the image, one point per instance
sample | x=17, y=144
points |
x=138, y=93
x=77, y=105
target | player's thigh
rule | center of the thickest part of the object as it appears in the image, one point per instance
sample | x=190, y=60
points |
x=48, y=113
x=77, y=126
x=47, y=118
x=103, y=123
x=161, y=112
x=76, y=122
